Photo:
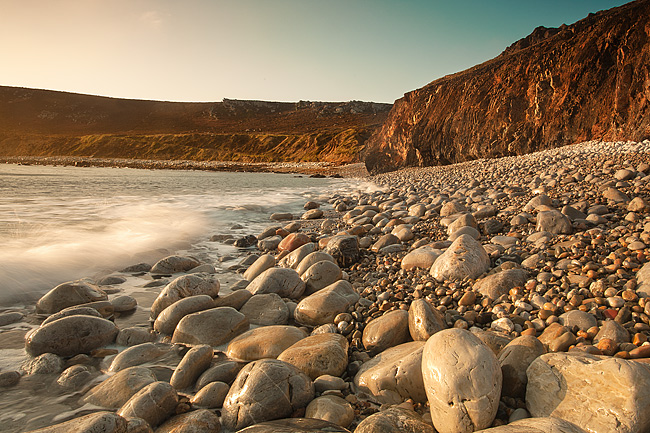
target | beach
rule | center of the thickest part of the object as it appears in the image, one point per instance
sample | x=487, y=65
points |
x=472, y=295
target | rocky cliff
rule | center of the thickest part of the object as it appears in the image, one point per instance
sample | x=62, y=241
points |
x=589, y=80
x=47, y=123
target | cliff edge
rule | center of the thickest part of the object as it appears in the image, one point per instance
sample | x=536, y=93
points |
x=589, y=80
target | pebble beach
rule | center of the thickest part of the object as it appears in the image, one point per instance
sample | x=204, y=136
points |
x=497, y=295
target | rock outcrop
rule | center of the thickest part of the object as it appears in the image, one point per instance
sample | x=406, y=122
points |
x=585, y=81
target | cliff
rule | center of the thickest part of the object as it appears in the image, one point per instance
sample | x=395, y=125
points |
x=589, y=80
x=48, y=123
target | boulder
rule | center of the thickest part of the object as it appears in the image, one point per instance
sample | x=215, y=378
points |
x=311, y=259
x=643, y=281
x=394, y=375
x=465, y=258
x=422, y=258
x=214, y=327
x=183, y=287
x=581, y=319
x=553, y=221
x=295, y=425
x=614, y=331
x=113, y=392
x=71, y=336
x=193, y=364
x=394, y=420
x=320, y=275
x=296, y=256
x=168, y=318
x=69, y=294
x=266, y=309
x=136, y=355
x=597, y=394
x=500, y=283
x=384, y=241
x=318, y=354
x=514, y=359
x=211, y=396
x=344, y=249
x=173, y=264
x=236, y=299
x=134, y=335
x=463, y=220
x=98, y=422
x=72, y=311
x=47, y=363
x=293, y=241
x=285, y=282
x=462, y=379
x=331, y=408
x=197, y=421
x=264, y=262
x=265, y=390
x=154, y=403
x=536, y=425
x=388, y=330
x=264, y=342
x=222, y=371
x=424, y=320
x=323, y=306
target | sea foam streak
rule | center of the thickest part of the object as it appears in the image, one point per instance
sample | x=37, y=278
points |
x=119, y=235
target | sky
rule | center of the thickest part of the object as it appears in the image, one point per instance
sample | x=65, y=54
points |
x=275, y=50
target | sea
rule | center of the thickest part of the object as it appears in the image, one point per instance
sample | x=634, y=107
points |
x=62, y=223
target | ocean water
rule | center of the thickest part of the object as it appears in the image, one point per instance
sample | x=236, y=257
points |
x=63, y=223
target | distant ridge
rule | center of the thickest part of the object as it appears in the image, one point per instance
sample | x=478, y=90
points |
x=51, y=123
x=589, y=80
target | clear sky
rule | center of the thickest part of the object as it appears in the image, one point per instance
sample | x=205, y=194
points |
x=281, y=50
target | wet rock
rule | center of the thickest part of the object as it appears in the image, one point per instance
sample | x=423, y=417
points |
x=69, y=294
x=236, y=299
x=213, y=327
x=394, y=375
x=422, y=258
x=580, y=388
x=168, y=318
x=47, y=363
x=9, y=379
x=265, y=390
x=10, y=317
x=245, y=241
x=197, y=421
x=134, y=335
x=136, y=355
x=123, y=304
x=99, y=422
x=269, y=244
x=284, y=282
x=424, y=320
x=264, y=342
x=183, y=287
x=266, y=309
x=500, y=283
x=331, y=408
x=75, y=377
x=465, y=258
x=318, y=354
x=323, y=306
x=193, y=364
x=72, y=311
x=394, y=420
x=514, y=359
x=462, y=378
x=320, y=275
x=173, y=264
x=386, y=331
x=154, y=403
x=113, y=392
x=71, y=336
x=211, y=396
x=312, y=214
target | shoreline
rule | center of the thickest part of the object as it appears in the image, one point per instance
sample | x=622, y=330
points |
x=356, y=170
x=574, y=288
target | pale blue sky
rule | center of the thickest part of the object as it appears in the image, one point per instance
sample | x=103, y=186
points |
x=282, y=50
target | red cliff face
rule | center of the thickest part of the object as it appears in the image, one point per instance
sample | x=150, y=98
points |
x=589, y=80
